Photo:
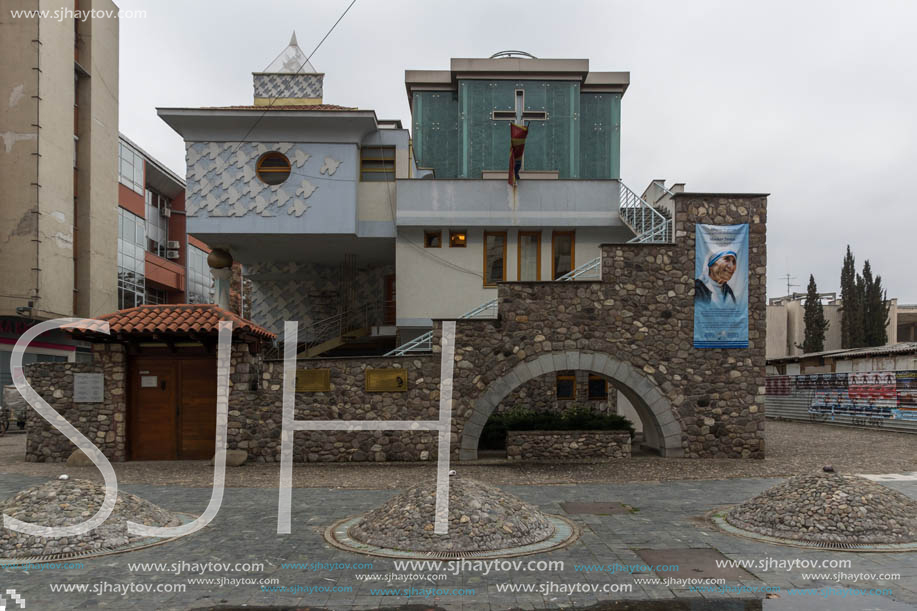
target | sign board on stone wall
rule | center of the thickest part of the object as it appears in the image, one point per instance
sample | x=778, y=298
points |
x=313, y=380
x=386, y=380
x=88, y=388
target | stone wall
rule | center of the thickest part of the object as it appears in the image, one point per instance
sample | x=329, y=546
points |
x=540, y=395
x=255, y=417
x=636, y=326
x=104, y=424
x=567, y=445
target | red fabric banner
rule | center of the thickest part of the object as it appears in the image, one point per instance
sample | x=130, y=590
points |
x=517, y=135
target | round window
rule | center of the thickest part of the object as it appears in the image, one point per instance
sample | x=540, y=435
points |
x=273, y=168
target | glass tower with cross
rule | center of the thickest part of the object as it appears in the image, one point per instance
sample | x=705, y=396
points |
x=461, y=116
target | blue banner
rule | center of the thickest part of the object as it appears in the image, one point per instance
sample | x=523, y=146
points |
x=721, y=286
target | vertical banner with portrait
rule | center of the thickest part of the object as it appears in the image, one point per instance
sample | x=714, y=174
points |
x=721, y=286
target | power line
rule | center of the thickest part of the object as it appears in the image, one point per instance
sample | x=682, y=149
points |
x=268, y=107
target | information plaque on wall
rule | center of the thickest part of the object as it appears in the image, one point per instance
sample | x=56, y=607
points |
x=313, y=380
x=88, y=388
x=386, y=380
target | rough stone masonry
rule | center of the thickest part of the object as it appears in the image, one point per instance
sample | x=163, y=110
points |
x=634, y=326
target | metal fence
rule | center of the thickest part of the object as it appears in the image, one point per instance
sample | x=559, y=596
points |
x=876, y=399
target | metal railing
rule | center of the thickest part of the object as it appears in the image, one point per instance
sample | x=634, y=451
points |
x=647, y=223
x=424, y=342
x=337, y=325
x=593, y=267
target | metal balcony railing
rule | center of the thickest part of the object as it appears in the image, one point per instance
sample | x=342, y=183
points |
x=647, y=223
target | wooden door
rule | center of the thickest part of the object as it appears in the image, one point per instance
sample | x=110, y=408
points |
x=153, y=409
x=198, y=408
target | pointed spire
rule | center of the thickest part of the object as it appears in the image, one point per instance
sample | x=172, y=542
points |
x=291, y=60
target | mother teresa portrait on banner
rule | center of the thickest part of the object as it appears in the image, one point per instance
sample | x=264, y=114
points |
x=721, y=286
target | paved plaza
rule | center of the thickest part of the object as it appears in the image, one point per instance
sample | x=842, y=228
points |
x=663, y=524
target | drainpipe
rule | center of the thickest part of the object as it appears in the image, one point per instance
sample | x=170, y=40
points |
x=35, y=301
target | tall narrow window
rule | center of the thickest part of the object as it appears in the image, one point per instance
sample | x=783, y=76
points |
x=157, y=223
x=529, y=255
x=377, y=163
x=494, y=257
x=598, y=387
x=562, y=253
x=566, y=385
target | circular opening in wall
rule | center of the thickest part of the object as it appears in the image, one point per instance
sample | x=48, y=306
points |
x=273, y=168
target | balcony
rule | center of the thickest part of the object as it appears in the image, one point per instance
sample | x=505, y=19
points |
x=494, y=203
x=165, y=273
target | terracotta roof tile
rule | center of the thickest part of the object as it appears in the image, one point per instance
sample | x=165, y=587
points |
x=168, y=319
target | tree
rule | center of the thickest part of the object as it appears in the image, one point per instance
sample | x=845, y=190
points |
x=815, y=322
x=875, y=309
x=864, y=313
x=851, y=316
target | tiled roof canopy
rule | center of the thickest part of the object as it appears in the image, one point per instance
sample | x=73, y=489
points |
x=171, y=321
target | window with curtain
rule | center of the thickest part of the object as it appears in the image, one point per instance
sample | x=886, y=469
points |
x=529, y=255
x=494, y=257
x=562, y=253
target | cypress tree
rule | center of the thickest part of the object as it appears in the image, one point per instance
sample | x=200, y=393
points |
x=815, y=322
x=850, y=315
x=875, y=309
x=857, y=329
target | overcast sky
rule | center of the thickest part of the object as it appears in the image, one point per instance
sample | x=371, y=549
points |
x=812, y=102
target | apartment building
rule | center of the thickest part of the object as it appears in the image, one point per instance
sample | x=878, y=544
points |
x=157, y=261
x=59, y=128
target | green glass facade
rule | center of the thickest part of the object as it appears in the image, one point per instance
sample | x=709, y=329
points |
x=455, y=134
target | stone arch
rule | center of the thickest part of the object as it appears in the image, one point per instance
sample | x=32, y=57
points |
x=660, y=426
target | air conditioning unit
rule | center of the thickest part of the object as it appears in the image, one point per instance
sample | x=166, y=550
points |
x=173, y=245
x=171, y=254
x=165, y=211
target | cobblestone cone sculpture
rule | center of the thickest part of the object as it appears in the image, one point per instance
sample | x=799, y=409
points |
x=65, y=502
x=481, y=517
x=829, y=508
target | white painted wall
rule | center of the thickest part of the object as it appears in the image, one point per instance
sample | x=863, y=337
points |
x=627, y=410
x=429, y=286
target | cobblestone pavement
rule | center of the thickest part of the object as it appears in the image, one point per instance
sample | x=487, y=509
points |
x=666, y=516
x=792, y=448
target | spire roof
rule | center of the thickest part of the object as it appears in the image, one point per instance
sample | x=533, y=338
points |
x=291, y=61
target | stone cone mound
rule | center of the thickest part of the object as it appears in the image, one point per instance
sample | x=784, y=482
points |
x=829, y=507
x=68, y=502
x=481, y=518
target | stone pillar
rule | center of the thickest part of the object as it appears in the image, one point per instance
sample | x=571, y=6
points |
x=220, y=262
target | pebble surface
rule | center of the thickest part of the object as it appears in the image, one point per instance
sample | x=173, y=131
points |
x=829, y=508
x=68, y=502
x=481, y=517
